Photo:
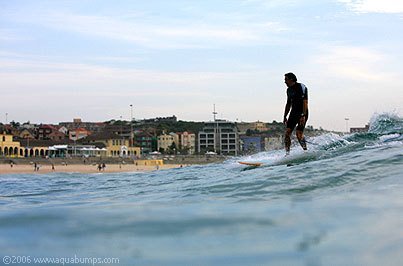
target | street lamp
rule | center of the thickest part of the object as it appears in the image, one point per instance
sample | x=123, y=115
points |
x=346, y=123
x=131, y=125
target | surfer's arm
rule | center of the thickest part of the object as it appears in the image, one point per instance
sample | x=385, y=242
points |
x=302, y=120
x=305, y=107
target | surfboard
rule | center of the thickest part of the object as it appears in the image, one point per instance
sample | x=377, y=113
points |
x=289, y=160
x=256, y=164
x=295, y=159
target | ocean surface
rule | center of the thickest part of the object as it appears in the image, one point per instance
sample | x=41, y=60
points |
x=339, y=204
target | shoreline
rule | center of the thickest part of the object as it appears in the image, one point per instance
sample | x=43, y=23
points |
x=81, y=168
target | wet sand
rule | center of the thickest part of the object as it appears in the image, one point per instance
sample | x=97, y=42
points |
x=77, y=168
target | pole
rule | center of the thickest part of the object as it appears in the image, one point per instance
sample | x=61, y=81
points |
x=216, y=139
x=121, y=135
x=131, y=126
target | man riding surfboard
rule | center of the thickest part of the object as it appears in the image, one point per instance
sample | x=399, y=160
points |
x=297, y=102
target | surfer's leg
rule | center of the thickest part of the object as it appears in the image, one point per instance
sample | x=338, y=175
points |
x=287, y=140
x=291, y=123
x=301, y=139
x=300, y=134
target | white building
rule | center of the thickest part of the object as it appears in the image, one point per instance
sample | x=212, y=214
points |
x=219, y=136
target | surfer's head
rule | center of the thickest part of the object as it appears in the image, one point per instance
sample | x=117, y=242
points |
x=290, y=79
x=291, y=76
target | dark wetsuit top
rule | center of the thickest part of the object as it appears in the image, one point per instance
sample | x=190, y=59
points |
x=295, y=97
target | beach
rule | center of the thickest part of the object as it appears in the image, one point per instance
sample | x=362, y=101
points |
x=80, y=168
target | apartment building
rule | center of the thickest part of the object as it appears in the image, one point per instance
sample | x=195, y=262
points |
x=219, y=136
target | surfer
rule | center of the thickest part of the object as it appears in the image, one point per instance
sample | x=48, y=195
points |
x=297, y=102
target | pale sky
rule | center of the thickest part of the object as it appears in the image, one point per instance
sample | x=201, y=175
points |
x=91, y=59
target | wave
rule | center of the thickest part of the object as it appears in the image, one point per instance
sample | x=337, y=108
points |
x=385, y=129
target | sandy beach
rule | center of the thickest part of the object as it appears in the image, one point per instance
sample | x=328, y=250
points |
x=80, y=168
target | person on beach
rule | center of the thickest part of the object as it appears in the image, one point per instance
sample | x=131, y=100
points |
x=297, y=102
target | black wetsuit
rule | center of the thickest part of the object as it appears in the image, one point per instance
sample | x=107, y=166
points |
x=296, y=95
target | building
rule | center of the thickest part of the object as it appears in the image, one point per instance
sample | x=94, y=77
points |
x=260, y=126
x=26, y=134
x=76, y=151
x=64, y=130
x=115, y=145
x=254, y=126
x=78, y=123
x=167, y=142
x=146, y=140
x=38, y=148
x=359, y=129
x=57, y=136
x=78, y=133
x=44, y=131
x=219, y=136
x=9, y=147
x=187, y=142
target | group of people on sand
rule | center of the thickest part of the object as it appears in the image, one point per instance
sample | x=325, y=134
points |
x=101, y=167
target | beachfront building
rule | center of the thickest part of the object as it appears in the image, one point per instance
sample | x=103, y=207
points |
x=168, y=142
x=187, y=142
x=18, y=149
x=146, y=140
x=76, y=151
x=9, y=147
x=34, y=147
x=219, y=136
x=115, y=145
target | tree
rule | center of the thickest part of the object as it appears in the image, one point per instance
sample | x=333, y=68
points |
x=172, y=148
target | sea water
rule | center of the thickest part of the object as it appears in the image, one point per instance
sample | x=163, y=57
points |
x=343, y=206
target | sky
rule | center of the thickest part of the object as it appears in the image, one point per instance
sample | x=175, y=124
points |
x=92, y=59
